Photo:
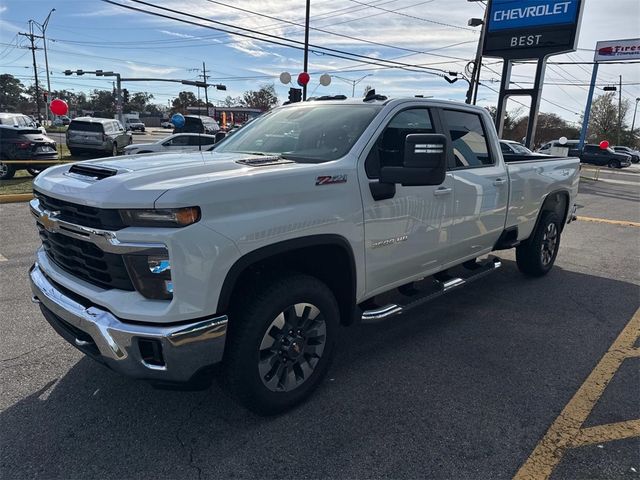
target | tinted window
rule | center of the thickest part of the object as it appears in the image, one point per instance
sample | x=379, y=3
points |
x=505, y=148
x=86, y=126
x=180, y=141
x=388, y=151
x=200, y=140
x=320, y=132
x=468, y=139
x=591, y=148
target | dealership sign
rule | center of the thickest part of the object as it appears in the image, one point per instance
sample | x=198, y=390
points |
x=617, y=50
x=519, y=29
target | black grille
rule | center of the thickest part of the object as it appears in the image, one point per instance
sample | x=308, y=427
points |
x=71, y=333
x=103, y=218
x=86, y=261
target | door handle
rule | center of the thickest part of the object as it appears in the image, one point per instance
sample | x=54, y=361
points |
x=442, y=191
x=499, y=181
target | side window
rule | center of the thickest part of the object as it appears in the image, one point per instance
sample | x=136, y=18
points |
x=198, y=140
x=505, y=148
x=180, y=141
x=469, y=142
x=389, y=147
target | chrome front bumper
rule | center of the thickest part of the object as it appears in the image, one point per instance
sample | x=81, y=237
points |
x=184, y=349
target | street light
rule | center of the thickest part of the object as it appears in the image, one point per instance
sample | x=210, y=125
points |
x=353, y=82
x=43, y=29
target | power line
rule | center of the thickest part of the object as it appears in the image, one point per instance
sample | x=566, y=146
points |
x=336, y=53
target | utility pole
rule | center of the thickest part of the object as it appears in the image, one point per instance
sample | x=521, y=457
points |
x=306, y=48
x=619, y=110
x=43, y=29
x=33, y=49
x=633, y=122
x=472, y=92
x=204, y=78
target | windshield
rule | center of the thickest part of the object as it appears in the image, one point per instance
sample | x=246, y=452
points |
x=305, y=133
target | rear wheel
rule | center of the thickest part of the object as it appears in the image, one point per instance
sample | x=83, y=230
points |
x=7, y=171
x=114, y=150
x=536, y=256
x=614, y=164
x=280, y=344
x=34, y=171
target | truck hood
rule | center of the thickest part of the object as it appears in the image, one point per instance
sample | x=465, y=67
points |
x=139, y=180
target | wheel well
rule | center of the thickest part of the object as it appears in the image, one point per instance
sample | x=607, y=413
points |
x=331, y=262
x=557, y=202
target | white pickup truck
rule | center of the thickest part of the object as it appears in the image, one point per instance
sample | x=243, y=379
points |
x=253, y=254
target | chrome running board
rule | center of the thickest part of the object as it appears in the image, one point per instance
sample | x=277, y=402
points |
x=379, y=314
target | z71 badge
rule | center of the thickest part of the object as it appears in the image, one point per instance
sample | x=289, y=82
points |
x=331, y=180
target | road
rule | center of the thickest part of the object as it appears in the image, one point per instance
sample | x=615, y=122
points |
x=465, y=388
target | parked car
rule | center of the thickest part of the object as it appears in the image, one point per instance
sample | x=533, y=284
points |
x=198, y=124
x=572, y=145
x=511, y=147
x=134, y=125
x=257, y=251
x=61, y=121
x=20, y=120
x=24, y=143
x=604, y=157
x=634, y=154
x=166, y=124
x=101, y=135
x=178, y=142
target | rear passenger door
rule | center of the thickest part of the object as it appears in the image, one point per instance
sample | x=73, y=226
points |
x=481, y=185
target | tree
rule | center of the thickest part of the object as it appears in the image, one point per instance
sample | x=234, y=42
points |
x=102, y=102
x=138, y=102
x=232, y=101
x=603, y=123
x=184, y=100
x=264, y=99
x=11, y=90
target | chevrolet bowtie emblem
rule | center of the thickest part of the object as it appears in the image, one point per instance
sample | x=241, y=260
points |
x=48, y=221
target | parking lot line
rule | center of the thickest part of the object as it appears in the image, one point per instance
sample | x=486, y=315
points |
x=566, y=431
x=3, y=258
x=626, y=223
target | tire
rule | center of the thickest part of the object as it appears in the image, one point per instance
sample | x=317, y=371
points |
x=274, y=358
x=114, y=150
x=75, y=152
x=535, y=257
x=7, y=171
x=34, y=172
x=614, y=164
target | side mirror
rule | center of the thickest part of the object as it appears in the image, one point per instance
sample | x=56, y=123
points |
x=425, y=161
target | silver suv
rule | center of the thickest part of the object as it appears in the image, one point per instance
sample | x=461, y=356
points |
x=88, y=134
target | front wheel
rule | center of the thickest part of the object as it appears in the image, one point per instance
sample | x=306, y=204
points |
x=535, y=257
x=7, y=171
x=281, y=340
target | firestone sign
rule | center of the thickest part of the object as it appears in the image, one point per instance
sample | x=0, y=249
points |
x=519, y=29
x=617, y=50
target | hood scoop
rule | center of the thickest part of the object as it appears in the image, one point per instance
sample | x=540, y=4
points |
x=264, y=161
x=90, y=172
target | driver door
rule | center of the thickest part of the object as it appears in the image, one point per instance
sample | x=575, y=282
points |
x=406, y=228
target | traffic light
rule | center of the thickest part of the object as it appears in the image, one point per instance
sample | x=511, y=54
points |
x=125, y=95
x=295, y=95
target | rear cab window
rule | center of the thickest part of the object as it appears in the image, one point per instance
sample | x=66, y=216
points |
x=86, y=126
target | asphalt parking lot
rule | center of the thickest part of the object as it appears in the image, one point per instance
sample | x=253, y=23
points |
x=507, y=377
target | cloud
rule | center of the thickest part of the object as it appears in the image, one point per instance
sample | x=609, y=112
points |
x=136, y=68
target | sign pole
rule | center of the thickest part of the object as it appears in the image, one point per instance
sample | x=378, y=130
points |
x=587, y=108
x=534, y=108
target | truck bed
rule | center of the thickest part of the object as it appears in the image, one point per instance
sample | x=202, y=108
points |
x=532, y=179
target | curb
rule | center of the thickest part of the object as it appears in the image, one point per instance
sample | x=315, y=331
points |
x=15, y=198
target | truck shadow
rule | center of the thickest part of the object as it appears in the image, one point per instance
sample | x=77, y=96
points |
x=499, y=355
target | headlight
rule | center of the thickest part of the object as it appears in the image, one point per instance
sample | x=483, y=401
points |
x=169, y=217
x=151, y=275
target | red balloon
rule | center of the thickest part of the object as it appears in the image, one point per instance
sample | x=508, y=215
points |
x=59, y=107
x=303, y=79
x=604, y=144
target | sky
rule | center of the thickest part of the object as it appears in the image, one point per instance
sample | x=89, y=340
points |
x=92, y=34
